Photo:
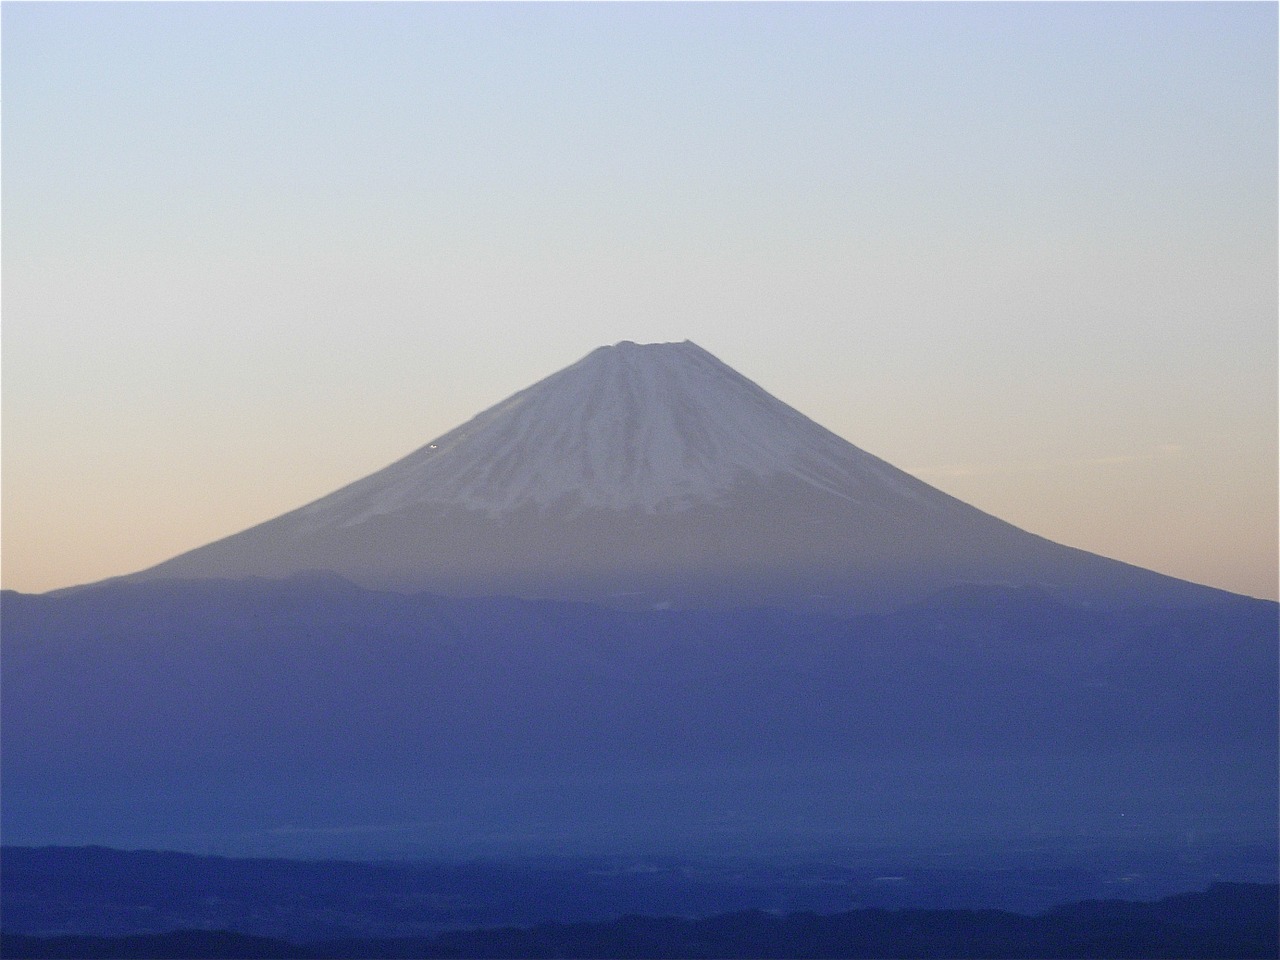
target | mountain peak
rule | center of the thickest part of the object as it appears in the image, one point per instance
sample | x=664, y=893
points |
x=661, y=345
x=650, y=354
x=655, y=428
x=655, y=473
x=628, y=351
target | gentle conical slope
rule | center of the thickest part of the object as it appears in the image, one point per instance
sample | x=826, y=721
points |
x=651, y=475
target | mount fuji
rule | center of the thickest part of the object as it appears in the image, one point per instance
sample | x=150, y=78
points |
x=657, y=476
x=640, y=605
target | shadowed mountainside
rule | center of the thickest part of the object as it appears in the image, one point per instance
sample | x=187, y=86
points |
x=312, y=712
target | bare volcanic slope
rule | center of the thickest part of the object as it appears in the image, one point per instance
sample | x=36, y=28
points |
x=649, y=475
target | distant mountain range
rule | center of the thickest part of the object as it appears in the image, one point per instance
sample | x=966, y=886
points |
x=1236, y=921
x=655, y=475
x=95, y=891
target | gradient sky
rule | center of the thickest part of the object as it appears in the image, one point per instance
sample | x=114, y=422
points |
x=252, y=251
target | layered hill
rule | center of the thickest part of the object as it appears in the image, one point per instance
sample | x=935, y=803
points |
x=655, y=475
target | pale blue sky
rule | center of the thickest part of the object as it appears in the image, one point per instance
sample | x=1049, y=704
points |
x=254, y=251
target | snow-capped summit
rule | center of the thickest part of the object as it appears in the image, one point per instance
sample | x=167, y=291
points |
x=654, y=474
x=653, y=428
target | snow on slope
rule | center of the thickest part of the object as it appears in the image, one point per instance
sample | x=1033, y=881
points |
x=655, y=428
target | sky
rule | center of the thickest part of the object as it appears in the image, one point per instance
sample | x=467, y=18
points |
x=253, y=251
